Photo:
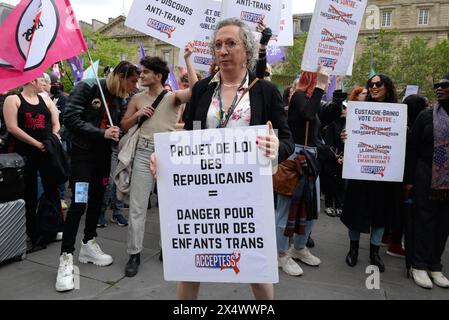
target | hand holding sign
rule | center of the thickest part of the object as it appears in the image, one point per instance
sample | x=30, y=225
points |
x=323, y=78
x=269, y=145
x=188, y=50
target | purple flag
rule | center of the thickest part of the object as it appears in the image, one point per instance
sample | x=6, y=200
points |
x=142, y=53
x=331, y=88
x=76, y=65
x=275, y=54
x=171, y=81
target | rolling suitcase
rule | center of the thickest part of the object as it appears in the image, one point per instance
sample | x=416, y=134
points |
x=12, y=183
x=12, y=230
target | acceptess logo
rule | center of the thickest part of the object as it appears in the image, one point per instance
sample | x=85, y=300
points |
x=162, y=27
x=218, y=261
x=36, y=31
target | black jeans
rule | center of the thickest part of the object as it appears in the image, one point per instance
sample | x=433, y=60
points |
x=34, y=163
x=91, y=167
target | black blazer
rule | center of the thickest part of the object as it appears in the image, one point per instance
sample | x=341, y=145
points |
x=266, y=105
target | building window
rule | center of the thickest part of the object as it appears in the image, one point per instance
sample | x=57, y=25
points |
x=166, y=55
x=386, y=18
x=423, y=17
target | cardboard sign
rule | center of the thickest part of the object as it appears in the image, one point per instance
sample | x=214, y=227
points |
x=216, y=206
x=167, y=20
x=375, y=149
x=333, y=35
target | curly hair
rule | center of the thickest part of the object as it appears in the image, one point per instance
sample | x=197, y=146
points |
x=247, y=37
x=392, y=95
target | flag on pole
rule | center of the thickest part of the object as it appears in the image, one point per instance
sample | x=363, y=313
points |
x=77, y=67
x=92, y=71
x=330, y=88
x=37, y=34
x=142, y=53
x=275, y=54
x=171, y=80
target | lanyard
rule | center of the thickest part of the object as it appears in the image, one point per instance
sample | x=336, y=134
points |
x=224, y=122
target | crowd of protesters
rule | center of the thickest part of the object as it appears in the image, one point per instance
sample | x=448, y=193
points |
x=411, y=217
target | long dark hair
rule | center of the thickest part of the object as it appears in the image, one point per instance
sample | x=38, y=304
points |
x=415, y=103
x=391, y=96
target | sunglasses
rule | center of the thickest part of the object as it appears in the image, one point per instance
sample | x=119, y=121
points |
x=378, y=84
x=267, y=74
x=442, y=85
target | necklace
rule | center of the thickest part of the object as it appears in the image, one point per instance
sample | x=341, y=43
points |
x=231, y=85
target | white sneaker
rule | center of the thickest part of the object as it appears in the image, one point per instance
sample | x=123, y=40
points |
x=330, y=212
x=439, y=279
x=289, y=266
x=65, y=280
x=421, y=278
x=91, y=253
x=305, y=256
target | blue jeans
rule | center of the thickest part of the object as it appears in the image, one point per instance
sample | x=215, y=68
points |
x=376, y=236
x=282, y=210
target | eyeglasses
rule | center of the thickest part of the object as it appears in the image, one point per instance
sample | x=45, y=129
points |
x=378, y=84
x=442, y=85
x=229, y=45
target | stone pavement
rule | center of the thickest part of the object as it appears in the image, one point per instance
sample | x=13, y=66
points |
x=34, y=278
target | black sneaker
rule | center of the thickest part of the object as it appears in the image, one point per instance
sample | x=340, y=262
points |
x=132, y=267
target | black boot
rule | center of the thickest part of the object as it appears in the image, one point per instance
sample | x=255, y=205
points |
x=351, y=258
x=133, y=265
x=375, y=257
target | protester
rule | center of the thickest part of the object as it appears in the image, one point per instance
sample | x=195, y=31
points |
x=358, y=94
x=31, y=119
x=88, y=130
x=369, y=205
x=162, y=119
x=234, y=50
x=304, y=108
x=415, y=105
x=427, y=177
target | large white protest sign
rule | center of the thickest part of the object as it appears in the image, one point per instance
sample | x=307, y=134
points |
x=167, y=20
x=202, y=57
x=252, y=12
x=216, y=206
x=285, y=37
x=333, y=35
x=375, y=149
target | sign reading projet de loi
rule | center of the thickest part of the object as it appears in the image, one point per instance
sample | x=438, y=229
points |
x=216, y=206
x=375, y=149
x=333, y=35
x=167, y=20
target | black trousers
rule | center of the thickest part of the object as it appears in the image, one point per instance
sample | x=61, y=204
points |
x=89, y=168
x=34, y=163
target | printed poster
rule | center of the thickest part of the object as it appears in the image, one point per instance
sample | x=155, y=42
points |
x=377, y=135
x=333, y=35
x=216, y=206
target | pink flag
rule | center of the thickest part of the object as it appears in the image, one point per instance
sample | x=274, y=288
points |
x=37, y=34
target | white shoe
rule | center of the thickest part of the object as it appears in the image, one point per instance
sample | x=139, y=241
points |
x=421, y=278
x=330, y=212
x=305, y=256
x=289, y=266
x=439, y=279
x=65, y=280
x=91, y=253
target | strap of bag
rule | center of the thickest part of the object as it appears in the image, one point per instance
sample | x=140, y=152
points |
x=224, y=124
x=154, y=105
x=306, y=142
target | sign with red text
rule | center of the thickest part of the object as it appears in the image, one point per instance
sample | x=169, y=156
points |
x=377, y=135
x=253, y=11
x=202, y=37
x=167, y=20
x=285, y=37
x=333, y=35
x=216, y=206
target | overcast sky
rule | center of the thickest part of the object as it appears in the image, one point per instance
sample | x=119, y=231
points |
x=87, y=10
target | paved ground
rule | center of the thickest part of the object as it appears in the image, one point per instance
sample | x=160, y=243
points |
x=34, y=278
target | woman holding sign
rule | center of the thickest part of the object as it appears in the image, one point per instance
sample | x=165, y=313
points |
x=427, y=178
x=235, y=98
x=369, y=205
